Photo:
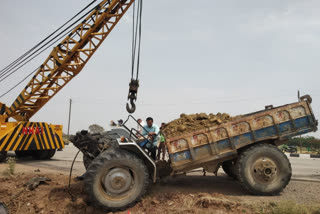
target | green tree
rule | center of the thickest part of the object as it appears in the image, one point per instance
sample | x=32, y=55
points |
x=306, y=141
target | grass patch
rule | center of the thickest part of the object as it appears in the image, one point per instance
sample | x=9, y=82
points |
x=289, y=207
x=11, y=162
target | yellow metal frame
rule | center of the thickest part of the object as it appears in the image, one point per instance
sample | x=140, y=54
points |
x=16, y=136
x=66, y=61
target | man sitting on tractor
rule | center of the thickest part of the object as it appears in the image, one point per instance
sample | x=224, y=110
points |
x=151, y=132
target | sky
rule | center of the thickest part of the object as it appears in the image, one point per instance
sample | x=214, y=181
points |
x=196, y=56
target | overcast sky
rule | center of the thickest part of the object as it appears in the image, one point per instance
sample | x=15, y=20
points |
x=197, y=56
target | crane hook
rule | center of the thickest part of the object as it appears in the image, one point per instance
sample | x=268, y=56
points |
x=131, y=109
x=133, y=90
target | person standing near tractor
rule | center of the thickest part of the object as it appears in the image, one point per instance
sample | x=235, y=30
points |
x=162, y=145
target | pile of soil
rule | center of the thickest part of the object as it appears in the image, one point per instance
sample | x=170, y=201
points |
x=189, y=123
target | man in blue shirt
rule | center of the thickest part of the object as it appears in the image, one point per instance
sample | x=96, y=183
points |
x=151, y=131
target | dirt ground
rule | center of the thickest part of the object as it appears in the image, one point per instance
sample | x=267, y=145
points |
x=53, y=197
x=186, y=194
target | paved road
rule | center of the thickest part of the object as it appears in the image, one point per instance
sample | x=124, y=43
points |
x=305, y=168
x=302, y=168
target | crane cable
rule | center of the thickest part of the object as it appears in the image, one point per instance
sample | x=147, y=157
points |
x=19, y=82
x=21, y=59
x=136, y=28
x=64, y=35
x=136, y=44
x=50, y=45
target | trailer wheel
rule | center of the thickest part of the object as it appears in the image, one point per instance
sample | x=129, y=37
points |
x=263, y=169
x=43, y=154
x=229, y=168
x=3, y=156
x=115, y=180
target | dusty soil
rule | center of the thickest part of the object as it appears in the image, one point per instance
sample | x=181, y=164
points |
x=193, y=122
x=188, y=194
x=53, y=197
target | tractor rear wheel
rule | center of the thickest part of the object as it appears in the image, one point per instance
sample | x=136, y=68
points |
x=263, y=169
x=43, y=154
x=3, y=156
x=116, y=180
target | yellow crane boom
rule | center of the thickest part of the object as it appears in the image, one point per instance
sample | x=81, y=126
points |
x=65, y=61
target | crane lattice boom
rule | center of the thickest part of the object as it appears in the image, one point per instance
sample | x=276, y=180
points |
x=68, y=58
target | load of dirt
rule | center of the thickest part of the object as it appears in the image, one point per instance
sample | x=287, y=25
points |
x=193, y=122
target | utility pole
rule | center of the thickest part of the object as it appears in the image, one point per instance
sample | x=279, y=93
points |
x=300, y=135
x=69, y=117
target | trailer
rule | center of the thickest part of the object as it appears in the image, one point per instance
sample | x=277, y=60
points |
x=208, y=147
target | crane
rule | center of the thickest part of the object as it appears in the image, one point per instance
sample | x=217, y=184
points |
x=66, y=61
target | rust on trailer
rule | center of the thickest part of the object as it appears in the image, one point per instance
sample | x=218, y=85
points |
x=209, y=145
